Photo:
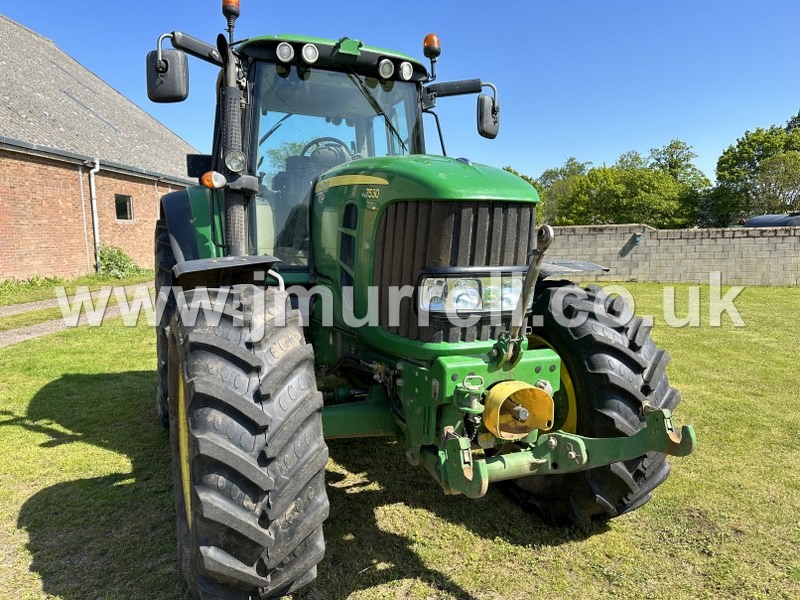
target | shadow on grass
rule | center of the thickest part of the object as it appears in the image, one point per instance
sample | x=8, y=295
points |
x=114, y=536
x=361, y=554
x=110, y=536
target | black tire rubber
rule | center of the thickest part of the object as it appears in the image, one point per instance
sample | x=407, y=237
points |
x=164, y=261
x=255, y=454
x=617, y=372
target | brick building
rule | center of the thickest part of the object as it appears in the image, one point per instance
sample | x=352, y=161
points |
x=58, y=123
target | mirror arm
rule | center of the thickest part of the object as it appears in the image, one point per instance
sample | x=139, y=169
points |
x=428, y=99
x=438, y=129
x=161, y=64
x=495, y=103
x=494, y=95
x=455, y=88
x=197, y=48
x=190, y=45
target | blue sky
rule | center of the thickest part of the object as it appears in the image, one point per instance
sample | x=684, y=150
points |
x=576, y=78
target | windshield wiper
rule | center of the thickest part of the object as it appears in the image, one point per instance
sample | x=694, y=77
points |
x=273, y=129
x=377, y=107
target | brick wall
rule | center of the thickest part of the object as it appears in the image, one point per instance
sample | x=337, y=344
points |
x=135, y=236
x=745, y=256
x=42, y=216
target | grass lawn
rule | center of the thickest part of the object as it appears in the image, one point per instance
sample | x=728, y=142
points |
x=86, y=507
x=34, y=317
x=41, y=288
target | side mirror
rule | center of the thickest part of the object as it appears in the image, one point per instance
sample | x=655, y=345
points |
x=167, y=75
x=488, y=116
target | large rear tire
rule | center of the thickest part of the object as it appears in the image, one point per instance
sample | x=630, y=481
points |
x=248, y=453
x=612, y=373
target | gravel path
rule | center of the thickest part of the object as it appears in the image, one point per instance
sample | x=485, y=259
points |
x=22, y=334
x=18, y=309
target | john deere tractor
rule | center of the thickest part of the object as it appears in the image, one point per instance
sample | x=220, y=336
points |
x=328, y=278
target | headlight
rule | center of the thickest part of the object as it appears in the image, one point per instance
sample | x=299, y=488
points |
x=512, y=288
x=466, y=294
x=406, y=70
x=385, y=68
x=447, y=293
x=310, y=53
x=432, y=294
x=235, y=160
x=491, y=296
x=285, y=52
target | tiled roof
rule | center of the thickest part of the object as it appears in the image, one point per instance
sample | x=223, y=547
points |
x=49, y=99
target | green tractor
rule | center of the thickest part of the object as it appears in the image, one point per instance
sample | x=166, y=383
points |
x=329, y=279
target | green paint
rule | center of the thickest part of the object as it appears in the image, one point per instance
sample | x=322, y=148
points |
x=432, y=177
x=201, y=207
x=366, y=418
x=430, y=396
x=348, y=46
x=411, y=178
x=344, y=46
x=551, y=454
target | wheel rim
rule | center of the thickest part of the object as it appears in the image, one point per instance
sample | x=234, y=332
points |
x=567, y=391
x=183, y=450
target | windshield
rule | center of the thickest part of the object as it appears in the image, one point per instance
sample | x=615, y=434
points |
x=308, y=122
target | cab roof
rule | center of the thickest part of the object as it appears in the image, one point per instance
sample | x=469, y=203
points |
x=342, y=52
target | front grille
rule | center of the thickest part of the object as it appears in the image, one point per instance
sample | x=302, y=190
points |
x=413, y=236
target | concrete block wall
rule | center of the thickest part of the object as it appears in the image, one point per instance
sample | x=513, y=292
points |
x=744, y=256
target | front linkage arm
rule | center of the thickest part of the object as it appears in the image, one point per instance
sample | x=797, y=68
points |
x=509, y=345
x=551, y=454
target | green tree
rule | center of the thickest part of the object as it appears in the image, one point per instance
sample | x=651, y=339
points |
x=631, y=160
x=677, y=159
x=552, y=210
x=777, y=184
x=793, y=123
x=624, y=195
x=663, y=189
x=739, y=173
x=277, y=156
x=572, y=167
x=553, y=184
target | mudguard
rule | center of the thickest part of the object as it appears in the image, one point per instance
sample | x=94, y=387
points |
x=188, y=215
x=177, y=210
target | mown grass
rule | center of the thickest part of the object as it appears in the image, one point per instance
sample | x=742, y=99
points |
x=35, y=317
x=13, y=291
x=86, y=508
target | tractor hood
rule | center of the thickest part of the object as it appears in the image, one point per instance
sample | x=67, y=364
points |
x=430, y=177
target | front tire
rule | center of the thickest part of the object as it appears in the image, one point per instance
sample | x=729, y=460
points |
x=248, y=453
x=164, y=261
x=612, y=373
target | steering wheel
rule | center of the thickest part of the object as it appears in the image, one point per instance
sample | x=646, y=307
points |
x=327, y=141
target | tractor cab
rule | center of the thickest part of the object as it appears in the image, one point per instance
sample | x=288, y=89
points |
x=306, y=118
x=292, y=107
